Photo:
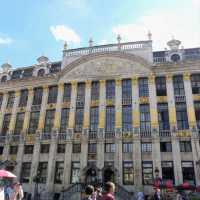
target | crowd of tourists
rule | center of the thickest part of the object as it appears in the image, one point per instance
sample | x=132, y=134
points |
x=11, y=191
x=96, y=193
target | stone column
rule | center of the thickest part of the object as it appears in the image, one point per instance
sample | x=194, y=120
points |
x=176, y=154
x=28, y=111
x=118, y=126
x=196, y=156
x=137, y=163
x=35, y=162
x=67, y=163
x=2, y=110
x=189, y=100
x=19, y=159
x=135, y=104
x=154, y=126
x=43, y=109
x=14, y=112
x=57, y=119
x=171, y=101
x=137, y=158
x=51, y=164
x=86, y=119
x=71, y=123
x=101, y=131
x=175, y=141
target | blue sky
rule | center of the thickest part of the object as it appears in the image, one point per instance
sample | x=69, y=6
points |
x=29, y=29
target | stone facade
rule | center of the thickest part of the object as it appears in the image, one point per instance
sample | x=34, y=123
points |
x=101, y=63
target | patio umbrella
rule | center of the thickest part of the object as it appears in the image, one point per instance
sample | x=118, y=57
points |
x=185, y=186
x=6, y=174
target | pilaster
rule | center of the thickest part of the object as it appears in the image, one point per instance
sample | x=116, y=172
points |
x=135, y=104
x=35, y=162
x=189, y=100
x=28, y=111
x=51, y=164
x=86, y=119
x=102, y=104
x=118, y=104
x=43, y=109
x=19, y=159
x=67, y=164
x=58, y=107
x=171, y=101
x=137, y=163
x=176, y=154
x=153, y=102
x=14, y=112
x=196, y=157
x=72, y=105
x=3, y=108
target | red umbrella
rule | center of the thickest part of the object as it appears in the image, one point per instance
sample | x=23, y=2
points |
x=6, y=174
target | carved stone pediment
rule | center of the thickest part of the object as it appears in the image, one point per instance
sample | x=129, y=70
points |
x=104, y=66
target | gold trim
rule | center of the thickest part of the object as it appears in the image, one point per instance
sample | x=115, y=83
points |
x=144, y=100
x=162, y=99
x=118, y=82
x=135, y=80
x=186, y=76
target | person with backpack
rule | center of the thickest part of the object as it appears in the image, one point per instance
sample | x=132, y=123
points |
x=109, y=191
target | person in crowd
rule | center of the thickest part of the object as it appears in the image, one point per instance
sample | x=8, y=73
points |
x=109, y=191
x=140, y=196
x=8, y=191
x=17, y=192
x=97, y=194
x=157, y=194
x=89, y=190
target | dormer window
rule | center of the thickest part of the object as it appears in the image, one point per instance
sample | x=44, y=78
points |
x=28, y=73
x=175, y=58
x=16, y=74
x=3, y=79
x=41, y=72
x=55, y=68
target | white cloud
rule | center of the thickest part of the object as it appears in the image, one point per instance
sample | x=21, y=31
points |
x=65, y=33
x=5, y=40
x=164, y=24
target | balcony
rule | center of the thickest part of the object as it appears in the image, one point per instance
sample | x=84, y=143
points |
x=126, y=101
x=145, y=133
x=2, y=139
x=109, y=134
x=64, y=136
x=180, y=98
x=45, y=136
x=15, y=138
x=165, y=133
x=159, y=60
x=92, y=135
x=78, y=128
x=107, y=48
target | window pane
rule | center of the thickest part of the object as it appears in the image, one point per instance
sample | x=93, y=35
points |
x=49, y=120
x=178, y=85
x=19, y=123
x=127, y=118
x=33, y=124
x=95, y=90
x=110, y=119
x=37, y=97
x=143, y=87
x=64, y=120
x=6, y=123
x=23, y=98
x=94, y=119
x=110, y=89
x=67, y=93
x=53, y=92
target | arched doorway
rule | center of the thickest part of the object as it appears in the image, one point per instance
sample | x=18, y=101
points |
x=91, y=176
x=108, y=175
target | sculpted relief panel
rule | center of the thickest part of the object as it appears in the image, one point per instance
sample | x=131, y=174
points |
x=105, y=67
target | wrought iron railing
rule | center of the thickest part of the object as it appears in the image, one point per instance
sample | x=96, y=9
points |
x=109, y=134
x=145, y=133
x=165, y=133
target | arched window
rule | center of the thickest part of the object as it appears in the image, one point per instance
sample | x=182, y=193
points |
x=41, y=72
x=3, y=79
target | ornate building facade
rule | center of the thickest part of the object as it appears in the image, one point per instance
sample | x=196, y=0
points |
x=116, y=112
